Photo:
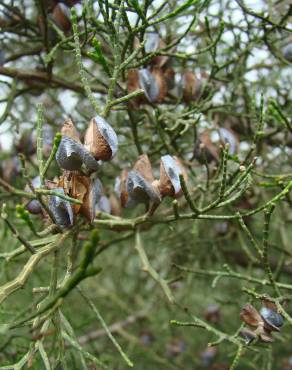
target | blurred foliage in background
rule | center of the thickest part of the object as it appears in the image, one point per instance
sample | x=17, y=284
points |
x=186, y=268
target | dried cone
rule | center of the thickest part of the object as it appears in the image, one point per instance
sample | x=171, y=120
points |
x=34, y=207
x=265, y=336
x=100, y=139
x=165, y=185
x=170, y=170
x=122, y=188
x=143, y=166
x=71, y=154
x=272, y=319
x=252, y=318
x=169, y=75
x=248, y=335
x=152, y=44
x=161, y=82
x=133, y=85
x=250, y=315
x=140, y=190
x=63, y=182
x=115, y=205
x=136, y=186
x=205, y=150
x=147, y=82
x=69, y=129
x=79, y=188
x=61, y=17
x=212, y=313
x=61, y=209
x=228, y=136
x=88, y=208
x=191, y=87
x=152, y=82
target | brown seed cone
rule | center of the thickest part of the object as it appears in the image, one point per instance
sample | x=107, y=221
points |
x=205, y=150
x=63, y=182
x=133, y=85
x=143, y=166
x=169, y=75
x=161, y=81
x=270, y=305
x=212, y=314
x=159, y=60
x=271, y=317
x=191, y=87
x=79, y=188
x=248, y=335
x=251, y=316
x=61, y=18
x=115, y=205
x=123, y=188
x=266, y=336
x=88, y=206
x=74, y=185
x=69, y=129
x=156, y=186
x=165, y=186
x=96, y=144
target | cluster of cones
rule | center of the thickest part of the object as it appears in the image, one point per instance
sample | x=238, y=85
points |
x=157, y=77
x=138, y=185
x=206, y=151
x=79, y=162
x=261, y=323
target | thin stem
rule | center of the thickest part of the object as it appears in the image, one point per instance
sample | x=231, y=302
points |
x=148, y=268
x=104, y=325
x=26, y=244
x=266, y=231
x=40, y=141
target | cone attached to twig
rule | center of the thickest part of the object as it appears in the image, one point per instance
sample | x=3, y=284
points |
x=261, y=323
x=61, y=17
x=151, y=81
x=170, y=170
x=100, y=139
x=136, y=186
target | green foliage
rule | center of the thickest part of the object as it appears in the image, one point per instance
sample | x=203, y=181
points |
x=154, y=287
